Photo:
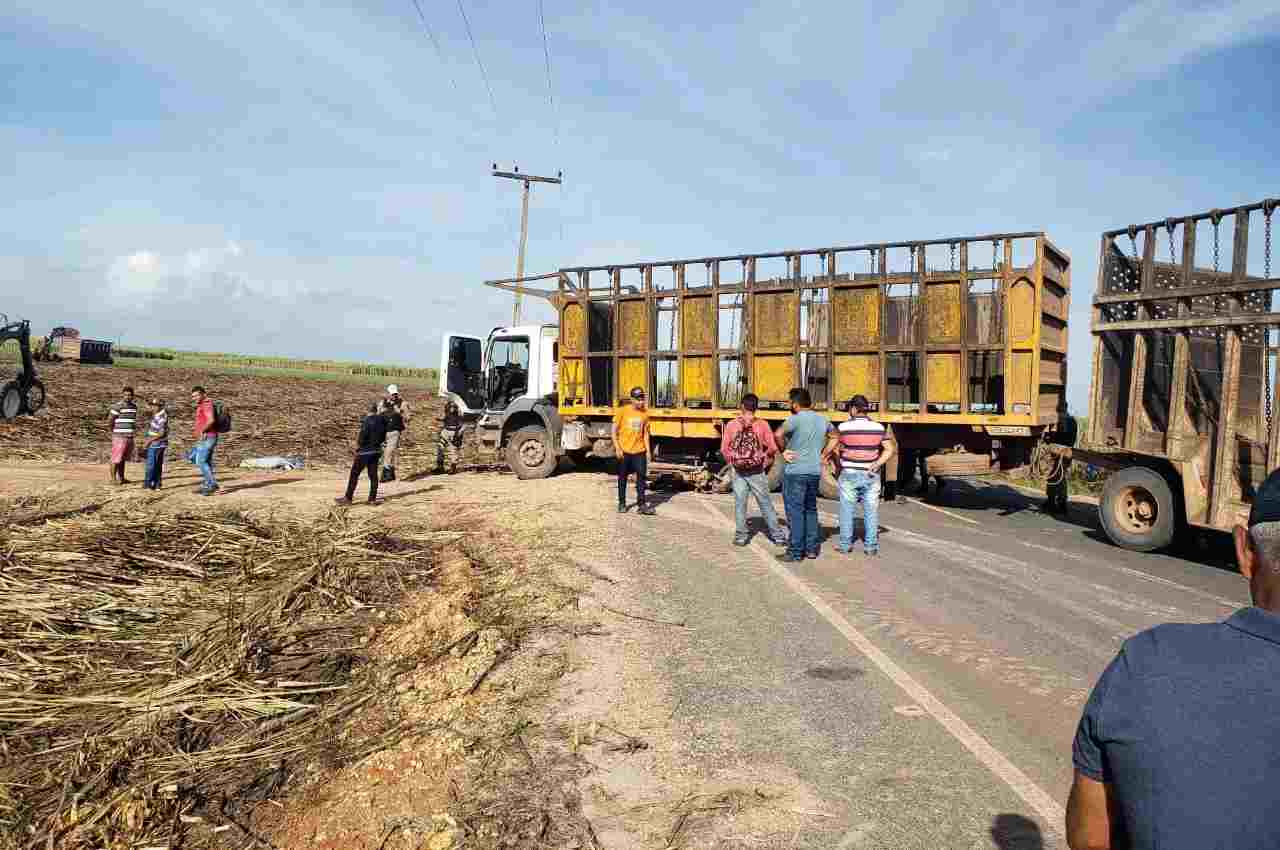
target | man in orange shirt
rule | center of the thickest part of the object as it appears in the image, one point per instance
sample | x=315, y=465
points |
x=632, y=447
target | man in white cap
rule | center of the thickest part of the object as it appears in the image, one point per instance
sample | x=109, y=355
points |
x=396, y=412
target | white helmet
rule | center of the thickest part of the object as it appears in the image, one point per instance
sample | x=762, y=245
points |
x=392, y=389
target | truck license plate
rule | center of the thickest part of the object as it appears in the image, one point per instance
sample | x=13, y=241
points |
x=1009, y=430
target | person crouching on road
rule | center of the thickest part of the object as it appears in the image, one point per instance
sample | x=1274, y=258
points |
x=373, y=433
x=122, y=421
x=395, y=426
x=397, y=411
x=749, y=447
x=157, y=442
x=859, y=443
x=633, y=448
x=206, y=434
x=449, y=443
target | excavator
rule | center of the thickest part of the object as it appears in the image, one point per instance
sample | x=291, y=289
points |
x=25, y=393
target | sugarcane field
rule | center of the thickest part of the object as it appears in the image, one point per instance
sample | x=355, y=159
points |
x=618, y=426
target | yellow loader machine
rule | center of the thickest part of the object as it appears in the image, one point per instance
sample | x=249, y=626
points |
x=959, y=343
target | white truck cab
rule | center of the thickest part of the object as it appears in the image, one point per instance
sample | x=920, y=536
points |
x=507, y=383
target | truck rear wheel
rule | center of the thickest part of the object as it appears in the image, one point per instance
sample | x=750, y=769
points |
x=530, y=454
x=10, y=400
x=35, y=396
x=1137, y=510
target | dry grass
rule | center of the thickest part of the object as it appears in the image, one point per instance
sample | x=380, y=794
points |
x=276, y=415
x=160, y=672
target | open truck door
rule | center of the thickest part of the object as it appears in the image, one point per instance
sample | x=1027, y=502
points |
x=462, y=371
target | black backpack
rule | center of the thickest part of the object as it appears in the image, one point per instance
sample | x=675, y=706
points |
x=221, y=418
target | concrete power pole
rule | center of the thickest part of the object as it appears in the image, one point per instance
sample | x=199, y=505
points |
x=526, y=179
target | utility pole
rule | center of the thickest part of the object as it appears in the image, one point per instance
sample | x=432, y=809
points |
x=526, y=179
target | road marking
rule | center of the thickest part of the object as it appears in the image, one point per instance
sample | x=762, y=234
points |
x=1032, y=794
x=941, y=511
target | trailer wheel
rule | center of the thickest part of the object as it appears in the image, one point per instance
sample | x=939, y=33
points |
x=828, y=484
x=35, y=396
x=1137, y=510
x=530, y=454
x=775, y=474
x=10, y=400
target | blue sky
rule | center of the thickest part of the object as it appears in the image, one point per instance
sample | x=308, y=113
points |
x=312, y=178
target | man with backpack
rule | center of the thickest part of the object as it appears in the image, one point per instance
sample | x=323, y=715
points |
x=749, y=448
x=211, y=420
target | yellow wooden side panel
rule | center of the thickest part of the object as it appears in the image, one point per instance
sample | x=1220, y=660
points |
x=1022, y=312
x=1020, y=390
x=573, y=329
x=698, y=324
x=775, y=375
x=633, y=326
x=699, y=428
x=942, y=312
x=776, y=324
x=943, y=378
x=571, y=385
x=857, y=374
x=697, y=378
x=666, y=428
x=632, y=372
x=856, y=313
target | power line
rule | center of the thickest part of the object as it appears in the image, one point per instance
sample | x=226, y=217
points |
x=546, y=54
x=431, y=35
x=476, y=51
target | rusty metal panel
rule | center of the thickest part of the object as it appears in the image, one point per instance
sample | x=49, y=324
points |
x=943, y=377
x=632, y=372
x=856, y=315
x=942, y=313
x=775, y=376
x=698, y=324
x=857, y=374
x=573, y=329
x=1022, y=312
x=776, y=321
x=697, y=379
x=571, y=385
x=1020, y=377
x=633, y=326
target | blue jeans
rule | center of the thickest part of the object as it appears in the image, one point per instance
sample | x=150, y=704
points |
x=800, y=496
x=745, y=486
x=202, y=457
x=856, y=486
x=155, y=467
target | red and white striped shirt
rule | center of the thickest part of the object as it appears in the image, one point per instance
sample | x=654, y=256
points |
x=861, y=441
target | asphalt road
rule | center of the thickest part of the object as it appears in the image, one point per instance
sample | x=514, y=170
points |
x=928, y=697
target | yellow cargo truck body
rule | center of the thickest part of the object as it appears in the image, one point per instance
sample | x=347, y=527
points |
x=953, y=341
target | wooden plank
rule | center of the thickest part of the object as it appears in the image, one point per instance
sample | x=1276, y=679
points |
x=922, y=331
x=964, y=328
x=1137, y=379
x=1239, y=287
x=1189, y=322
x=1224, y=454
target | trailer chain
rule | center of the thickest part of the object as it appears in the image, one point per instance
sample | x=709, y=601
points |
x=953, y=256
x=994, y=263
x=1268, y=207
x=1217, y=219
x=1169, y=225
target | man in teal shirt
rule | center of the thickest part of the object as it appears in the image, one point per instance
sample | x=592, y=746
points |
x=803, y=437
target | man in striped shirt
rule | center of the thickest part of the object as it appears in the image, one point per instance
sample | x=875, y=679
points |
x=862, y=447
x=122, y=421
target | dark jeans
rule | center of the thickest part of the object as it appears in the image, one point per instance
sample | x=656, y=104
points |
x=1058, y=496
x=155, y=467
x=364, y=463
x=800, y=496
x=628, y=464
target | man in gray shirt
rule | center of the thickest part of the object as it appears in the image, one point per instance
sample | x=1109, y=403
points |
x=803, y=437
x=1177, y=747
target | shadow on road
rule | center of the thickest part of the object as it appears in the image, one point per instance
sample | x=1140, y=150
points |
x=1015, y=832
x=258, y=485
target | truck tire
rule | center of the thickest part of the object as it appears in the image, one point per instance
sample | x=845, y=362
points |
x=1137, y=510
x=11, y=401
x=828, y=484
x=35, y=396
x=530, y=453
x=775, y=474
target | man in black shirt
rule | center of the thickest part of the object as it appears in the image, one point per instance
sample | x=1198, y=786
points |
x=373, y=432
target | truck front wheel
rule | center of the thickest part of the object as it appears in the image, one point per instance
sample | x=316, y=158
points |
x=1137, y=510
x=530, y=454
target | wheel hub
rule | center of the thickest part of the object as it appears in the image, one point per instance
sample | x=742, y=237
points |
x=533, y=453
x=1136, y=510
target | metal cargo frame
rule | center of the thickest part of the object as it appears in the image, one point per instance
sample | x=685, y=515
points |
x=1183, y=358
x=1028, y=299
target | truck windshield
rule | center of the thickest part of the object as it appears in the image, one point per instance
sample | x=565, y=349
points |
x=508, y=371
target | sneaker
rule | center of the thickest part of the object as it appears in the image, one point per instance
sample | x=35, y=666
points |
x=872, y=553
x=646, y=510
x=341, y=500
x=812, y=556
x=739, y=541
x=780, y=541
x=622, y=509
x=843, y=550
x=788, y=558
x=374, y=502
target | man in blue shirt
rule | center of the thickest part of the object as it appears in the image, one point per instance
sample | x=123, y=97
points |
x=1179, y=745
x=803, y=437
